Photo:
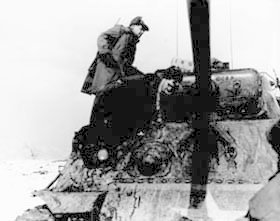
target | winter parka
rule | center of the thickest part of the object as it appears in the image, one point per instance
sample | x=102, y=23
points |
x=116, y=53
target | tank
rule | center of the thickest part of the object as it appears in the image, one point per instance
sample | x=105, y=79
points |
x=135, y=163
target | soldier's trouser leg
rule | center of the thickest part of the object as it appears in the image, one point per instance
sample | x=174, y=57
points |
x=93, y=114
x=97, y=110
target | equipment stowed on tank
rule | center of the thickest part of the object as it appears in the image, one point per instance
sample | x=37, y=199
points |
x=135, y=164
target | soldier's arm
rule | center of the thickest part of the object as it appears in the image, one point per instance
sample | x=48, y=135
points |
x=110, y=47
x=119, y=50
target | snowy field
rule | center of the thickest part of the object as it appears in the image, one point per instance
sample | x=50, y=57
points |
x=20, y=178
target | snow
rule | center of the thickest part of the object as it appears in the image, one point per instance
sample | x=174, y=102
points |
x=221, y=215
x=19, y=178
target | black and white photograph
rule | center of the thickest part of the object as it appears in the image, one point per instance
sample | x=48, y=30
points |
x=129, y=110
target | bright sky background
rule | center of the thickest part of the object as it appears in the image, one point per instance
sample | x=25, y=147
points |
x=46, y=48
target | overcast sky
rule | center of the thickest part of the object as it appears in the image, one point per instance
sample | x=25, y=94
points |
x=47, y=46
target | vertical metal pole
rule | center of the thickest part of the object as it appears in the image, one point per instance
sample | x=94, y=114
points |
x=177, y=28
x=199, y=24
x=230, y=36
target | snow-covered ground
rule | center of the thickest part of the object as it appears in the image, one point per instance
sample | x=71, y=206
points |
x=20, y=178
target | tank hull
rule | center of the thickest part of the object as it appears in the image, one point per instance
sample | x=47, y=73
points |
x=148, y=174
x=125, y=194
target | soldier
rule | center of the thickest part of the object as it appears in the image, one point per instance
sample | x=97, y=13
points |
x=115, y=56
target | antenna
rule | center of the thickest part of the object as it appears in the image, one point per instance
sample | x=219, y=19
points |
x=177, y=27
x=230, y=36
x=118, y=20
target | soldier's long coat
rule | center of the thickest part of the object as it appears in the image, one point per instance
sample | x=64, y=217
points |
x=116, y=51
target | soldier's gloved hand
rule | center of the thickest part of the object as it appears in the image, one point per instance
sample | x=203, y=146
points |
x=168, y=86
